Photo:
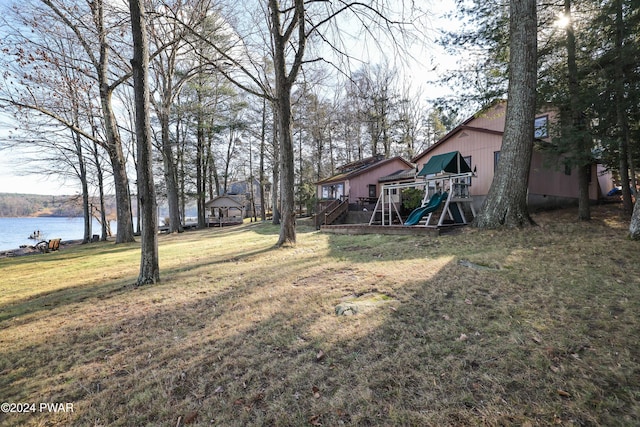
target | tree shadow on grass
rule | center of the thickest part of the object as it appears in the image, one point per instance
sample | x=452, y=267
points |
x=56, y=299
x=245, y=343
x=461, y=347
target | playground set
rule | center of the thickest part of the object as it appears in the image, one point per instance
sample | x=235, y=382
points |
x=445, y=180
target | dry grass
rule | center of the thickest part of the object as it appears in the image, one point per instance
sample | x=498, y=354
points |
x=535, y=327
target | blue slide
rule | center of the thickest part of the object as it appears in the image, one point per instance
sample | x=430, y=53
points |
x=418, y=213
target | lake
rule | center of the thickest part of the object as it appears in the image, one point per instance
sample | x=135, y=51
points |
x=15, y=232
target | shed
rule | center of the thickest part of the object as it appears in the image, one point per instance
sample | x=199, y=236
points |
x=225, y=210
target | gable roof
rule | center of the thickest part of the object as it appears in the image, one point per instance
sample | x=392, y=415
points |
x=224, y=202
x=461, y=127
x=452, y=162
x=353, y=169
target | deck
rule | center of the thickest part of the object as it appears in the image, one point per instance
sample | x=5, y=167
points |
x=397, y=230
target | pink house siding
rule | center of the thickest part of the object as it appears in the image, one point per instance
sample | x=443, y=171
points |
x=481, y=138
x=359, y=185
x=356, y=183
x=481, y=146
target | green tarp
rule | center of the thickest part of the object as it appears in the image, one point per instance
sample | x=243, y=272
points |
x=448, y=162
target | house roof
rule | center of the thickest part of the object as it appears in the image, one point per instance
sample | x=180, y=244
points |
x=241, y=187
x=401, y=175
x=224, y=202
x=461, y=127
x=353, y=169
x=452, y=162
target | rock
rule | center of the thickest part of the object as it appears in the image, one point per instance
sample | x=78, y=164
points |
x=364, y=303
x=346, y=309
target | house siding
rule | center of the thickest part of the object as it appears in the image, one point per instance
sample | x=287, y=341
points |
x=481, y=136
x=477, y=144
x=359, y=185
x=356, y=186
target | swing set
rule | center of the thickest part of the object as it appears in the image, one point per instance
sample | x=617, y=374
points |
x=445, y=180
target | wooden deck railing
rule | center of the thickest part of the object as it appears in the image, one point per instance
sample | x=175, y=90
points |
x=336, y=212
x=320, y=216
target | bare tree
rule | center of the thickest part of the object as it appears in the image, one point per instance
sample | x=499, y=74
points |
x=290, y=25
x=149, y=265
x=47, y=83
x=167, y=88
x=88, y=30
x=173, y=67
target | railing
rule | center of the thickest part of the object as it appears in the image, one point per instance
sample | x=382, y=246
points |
x=226, y=220
x=320, y=216
x=336, y=212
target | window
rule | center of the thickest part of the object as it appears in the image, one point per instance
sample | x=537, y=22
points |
x=540, y=128
x=496, y=159
x=373, y=191
x=333, y=191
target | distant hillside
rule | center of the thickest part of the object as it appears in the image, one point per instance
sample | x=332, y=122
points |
x=29, y=205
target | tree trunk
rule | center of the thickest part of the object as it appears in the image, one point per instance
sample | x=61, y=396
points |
x=275, y=172
x=263, y=132
x=149, y=265
x=284, y=81
x=106, y=228
x=180, y=146
x=506, y=203
x=124, y=231
x=577, y=126
x=170, y=172
x=200, y=172
x=634, y=227
x=622, y=122
x=287, y=177
x=87, y=207
x=82, y=175
x=252, y=193
x=584, y=202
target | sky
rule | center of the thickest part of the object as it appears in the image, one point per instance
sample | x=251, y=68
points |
x=12, y=180
x=17, y=178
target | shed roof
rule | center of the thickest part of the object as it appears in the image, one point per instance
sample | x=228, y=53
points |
x=224, y=202
x=452, y=162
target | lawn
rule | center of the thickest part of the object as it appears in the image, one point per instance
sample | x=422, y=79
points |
x=515, y=327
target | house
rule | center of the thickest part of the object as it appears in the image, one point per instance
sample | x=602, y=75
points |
x=225, y=210
x=357, y=182
x=479, y=140
x=248, y=191
x=354, y=188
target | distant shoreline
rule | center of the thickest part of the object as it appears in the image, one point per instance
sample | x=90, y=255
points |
x=16, y=205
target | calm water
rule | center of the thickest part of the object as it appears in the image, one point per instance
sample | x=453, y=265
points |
x=15, y=232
